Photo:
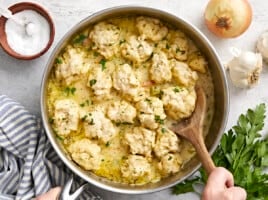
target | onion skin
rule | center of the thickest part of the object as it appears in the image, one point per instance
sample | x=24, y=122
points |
x=228, y=18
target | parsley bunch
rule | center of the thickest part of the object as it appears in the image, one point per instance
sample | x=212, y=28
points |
x=243, y=152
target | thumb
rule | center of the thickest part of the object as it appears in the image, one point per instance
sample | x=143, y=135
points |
x=237, y=193
x=221, y=178
x=52, y=194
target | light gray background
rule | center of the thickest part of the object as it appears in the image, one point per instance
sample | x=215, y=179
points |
x=21, y=80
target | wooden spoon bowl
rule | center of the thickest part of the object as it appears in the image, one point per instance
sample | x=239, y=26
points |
x=18, y=8
x=192, y=130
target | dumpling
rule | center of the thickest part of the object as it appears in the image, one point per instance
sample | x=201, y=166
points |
x=135, y=167
x=150, y=112
x=179, y=46
x=183, y=74
x=141, y=141
x=74, y=63
x=66, y=116
x=170, y=164
x=166, y=142
x=86, y=153
x=99, y=81
x=96, y=125
x=197, y=62
x=160, y=70
x=105, y=37
x=125, y=81
x=121, y=112
x=136, y=49
x=151, y=28
x=179, y=102
x=175, y=46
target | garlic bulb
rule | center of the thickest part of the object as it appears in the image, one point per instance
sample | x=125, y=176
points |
x=262, y=45
x=245, y=68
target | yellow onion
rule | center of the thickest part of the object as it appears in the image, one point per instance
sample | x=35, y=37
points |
x=228, y=18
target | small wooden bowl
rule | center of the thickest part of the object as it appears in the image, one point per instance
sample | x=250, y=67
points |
x=18, y=8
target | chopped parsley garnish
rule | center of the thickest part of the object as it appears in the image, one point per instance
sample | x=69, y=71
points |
x=91, y=121
x=69, y=91
x=92, y=82
x=107, y=144
x=161, y=94
x=84, y=118
x=167, y=46
x=148, y=100
x=79, y=39
x=155, y=91
x=87, y=102
x=51, y=120
x=181, y=51
x=103, y=64
x=58, y=61
x=177, y=89
x=73, y=89
x=96, y=54
x=122, y=41
x=59, y=138
x=163, y=130
x=158, y=119
x=82, y=105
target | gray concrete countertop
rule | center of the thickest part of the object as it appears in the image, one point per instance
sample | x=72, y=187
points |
x=21, y=80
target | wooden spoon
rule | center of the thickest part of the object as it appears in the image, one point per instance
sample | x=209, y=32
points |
x=192, y=130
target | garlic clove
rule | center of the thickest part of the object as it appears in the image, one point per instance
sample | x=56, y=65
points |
x=245, y=69
x=248, y=59
x=262, y=45
x=235, y=51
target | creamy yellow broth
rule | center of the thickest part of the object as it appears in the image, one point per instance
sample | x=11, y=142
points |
x=115, y=152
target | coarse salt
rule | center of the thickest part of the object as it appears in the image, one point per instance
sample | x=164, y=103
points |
x=30, y=38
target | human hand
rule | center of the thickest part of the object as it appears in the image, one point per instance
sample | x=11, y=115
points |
x=220, y=186
x=52, y=194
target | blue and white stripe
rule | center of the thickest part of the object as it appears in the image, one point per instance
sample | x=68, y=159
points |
x=28, y=164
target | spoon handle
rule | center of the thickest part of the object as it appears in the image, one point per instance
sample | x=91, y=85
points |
x=5, y=12
x=8, y=14
x=203, y=154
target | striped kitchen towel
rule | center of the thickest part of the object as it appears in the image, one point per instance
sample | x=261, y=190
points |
x=28, y=164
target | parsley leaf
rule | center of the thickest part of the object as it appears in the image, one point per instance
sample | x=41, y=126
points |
x=58, y=60
x=244, y=152
x=69, y=91
x=177, y=89
x=103, y=64
x=107, y=144
x=59, y=137
x=122, y=41
x=79, y=39
x=167, y=46
x=92, y=82
x=51, y=120
x=157, y=119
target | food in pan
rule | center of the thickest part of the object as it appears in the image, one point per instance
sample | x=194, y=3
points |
x=115, y=90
